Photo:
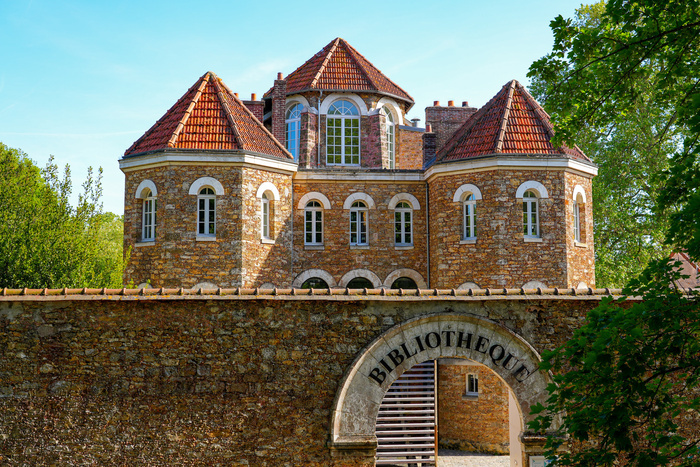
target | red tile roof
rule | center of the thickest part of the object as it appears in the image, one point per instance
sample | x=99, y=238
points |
x=688, y=268
x=209, y=117
x=512, y=122
x=339, y=67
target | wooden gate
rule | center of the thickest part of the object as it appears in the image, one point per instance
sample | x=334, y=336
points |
x=407, y=422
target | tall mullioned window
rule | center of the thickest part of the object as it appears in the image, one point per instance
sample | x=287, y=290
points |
x=343, y=134
x=206, y=212
x=265, y=216
x=403, y=224
x=390, y=138
x=148, y=225
x=469, y=223
x=358, y=223
x=293, y=129
x=313, y=223
x=531, y=222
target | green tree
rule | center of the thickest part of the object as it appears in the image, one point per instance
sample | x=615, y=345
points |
x=44, y=241
x=627, y=382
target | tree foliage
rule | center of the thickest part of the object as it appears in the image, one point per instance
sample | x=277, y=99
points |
x=627, y=383
x=44, y=241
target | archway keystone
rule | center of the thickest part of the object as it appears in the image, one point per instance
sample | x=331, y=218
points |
x=427, y=338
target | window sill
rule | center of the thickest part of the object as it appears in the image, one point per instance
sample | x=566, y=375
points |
x=144, y=243
x=580, y=244
x=468, y=241
x=470, y=397
x=359, y=247
x=533, y=239
x=267, y=241
x=403, y=247
x=203, y=238
x=314, y=247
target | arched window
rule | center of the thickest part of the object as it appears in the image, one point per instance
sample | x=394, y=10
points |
x=579, y=214
x=343, y=134
x=358, y=223
x=206, y=212
x=577, y=222
x=469, y=217
x=313, y=223
x=403, y=224
x=148, y=224
x=390, y=139
x=292, y=131
x=360, y=283
x=265, y=216
x=404, y=283
x=531, y=221
x=314, y=283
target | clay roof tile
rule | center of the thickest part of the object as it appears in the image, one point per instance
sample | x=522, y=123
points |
x=209, y=117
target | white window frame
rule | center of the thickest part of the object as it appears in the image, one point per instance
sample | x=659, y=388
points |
x=472, y=384
x=531, y=207
x=469, y=217
x=577, y=222
x=313, y=223
x=148, y=219
x=347, y=114
x=390, y=137
x=206, y=217
x=264, y=217
x=359, y=210
x=292, y=129
x=403, y=226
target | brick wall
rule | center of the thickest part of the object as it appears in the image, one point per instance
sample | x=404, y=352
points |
x=472, y=423
x=257, y=108
x=203, y=380
x=499, y=257
x=409, y=148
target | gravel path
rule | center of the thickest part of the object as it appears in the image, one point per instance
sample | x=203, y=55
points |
x=448, y=458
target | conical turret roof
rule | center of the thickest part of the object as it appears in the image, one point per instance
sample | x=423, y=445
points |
x=339, y=67
x=512, y=122
x=209, y=117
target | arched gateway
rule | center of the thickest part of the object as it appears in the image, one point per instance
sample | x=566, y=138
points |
x=424, y=338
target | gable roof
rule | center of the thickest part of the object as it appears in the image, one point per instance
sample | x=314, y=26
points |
x=209, y=117
x=512, y=122
x=339, y=67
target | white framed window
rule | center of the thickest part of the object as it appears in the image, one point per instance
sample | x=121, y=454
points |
x=292, y=129
x=358, y=223
x=148, y=222
x=469, y=217
x=343, y=134
x=577, y=222
x=472, y=384
x=403, y=224
x=206, y=212
x=390, y=137
x=531, y=221
x=313, y=223
x=265, y=217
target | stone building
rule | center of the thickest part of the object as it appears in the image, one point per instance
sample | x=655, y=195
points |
x=326, y=183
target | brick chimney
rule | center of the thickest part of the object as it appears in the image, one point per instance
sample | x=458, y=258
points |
x=429, y=147
x=446, y=120
x=255, y=106
x=279, y=99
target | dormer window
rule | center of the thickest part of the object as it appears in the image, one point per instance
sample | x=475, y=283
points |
x=292, y=131
x=343, y=134
x=390, y=139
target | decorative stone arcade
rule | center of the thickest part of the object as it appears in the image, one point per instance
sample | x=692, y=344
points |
x=427, y=338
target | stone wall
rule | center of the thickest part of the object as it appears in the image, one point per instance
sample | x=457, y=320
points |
x=336, y=256
x=500, y=256
x=207, y=380
x=472, y=423
x=580, y=256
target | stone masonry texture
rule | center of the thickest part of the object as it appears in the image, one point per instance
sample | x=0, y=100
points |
x=206, y=380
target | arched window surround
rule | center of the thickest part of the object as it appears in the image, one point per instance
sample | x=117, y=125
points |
x=309, y=273
x=579, y=215
x=364, y=273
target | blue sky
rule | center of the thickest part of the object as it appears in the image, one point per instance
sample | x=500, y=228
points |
x=82, y=80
